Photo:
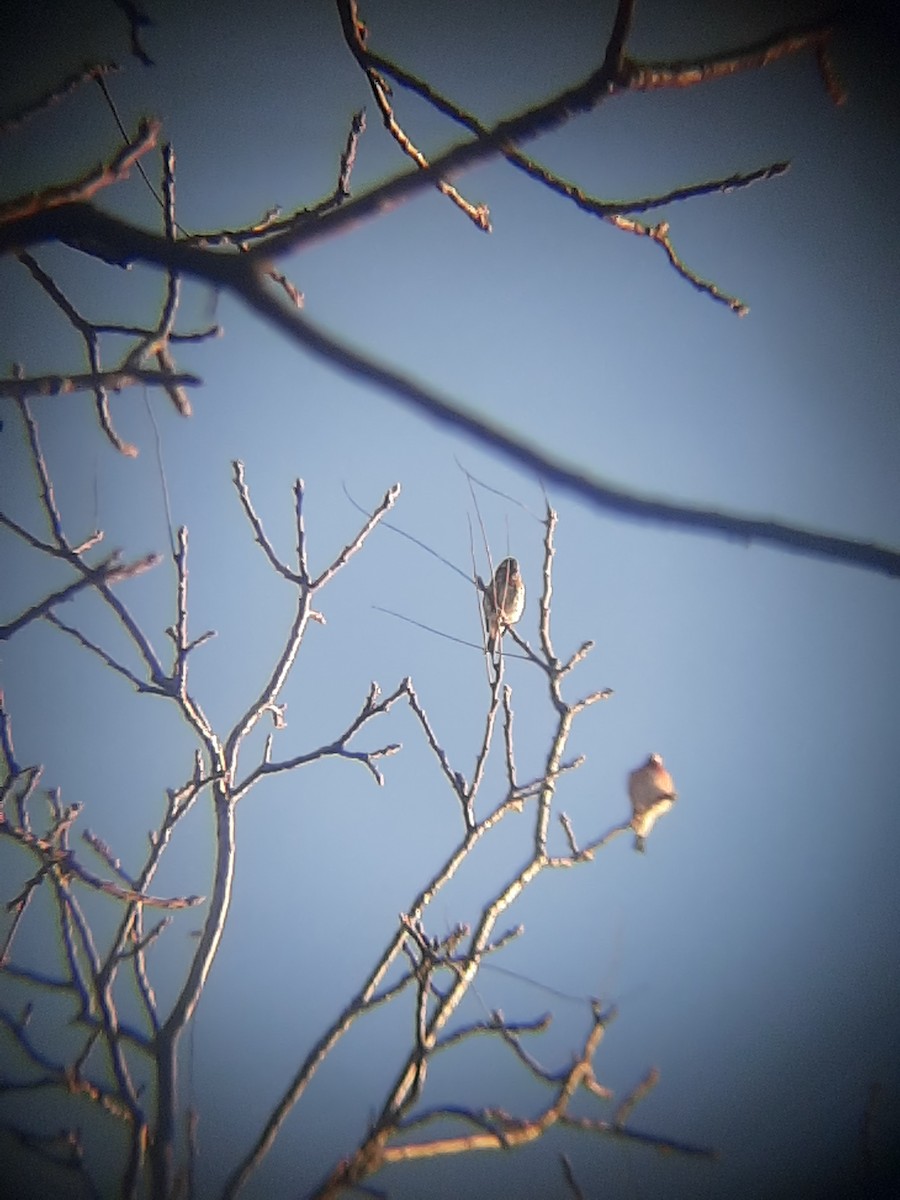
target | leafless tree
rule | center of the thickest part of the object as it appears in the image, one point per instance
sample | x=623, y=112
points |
x=127, y=1069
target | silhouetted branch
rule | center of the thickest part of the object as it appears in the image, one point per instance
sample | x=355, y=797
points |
x=137, y=20
x=273, y=222
x=62, y=1150
x=355, y=36
x=743, y=529
x=375, y=65
x=685, y=73
x=56, y=94
x=153, y=341
x=116, y=241
x=87, y=185
x=115, y=380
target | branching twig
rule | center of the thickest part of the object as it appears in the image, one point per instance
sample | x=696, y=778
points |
x=338, y=748
x=65, y=863
x=111, y=570
x=83, y=225
x=244, y=495
x=355, y=36
x=139, y=684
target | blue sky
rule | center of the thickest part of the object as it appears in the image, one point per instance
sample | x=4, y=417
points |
x=752, y=951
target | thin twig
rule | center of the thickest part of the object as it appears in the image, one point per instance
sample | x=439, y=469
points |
x=87, y=185
x=110, y=571
x=115, y=380
x=57, y=93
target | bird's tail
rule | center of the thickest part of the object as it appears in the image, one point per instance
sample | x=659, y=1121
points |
x=639, y=843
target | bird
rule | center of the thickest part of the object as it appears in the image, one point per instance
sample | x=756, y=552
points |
x=504, y=600
x=652, y=793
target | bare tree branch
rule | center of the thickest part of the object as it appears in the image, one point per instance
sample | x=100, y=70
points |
x=111, y=570
x=116, y=379
x=88, y=75
x=129, y=1072
x=650, y=76
x=238, y=275
x=569, y=477
x=87, y=185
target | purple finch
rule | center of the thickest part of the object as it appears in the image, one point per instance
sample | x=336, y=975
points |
x=652, y=793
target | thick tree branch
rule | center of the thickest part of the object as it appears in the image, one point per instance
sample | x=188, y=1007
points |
x=109, y=238
x=744, y=529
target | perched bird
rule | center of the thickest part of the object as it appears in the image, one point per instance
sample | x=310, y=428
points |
x=504, y=600
x=652, y=793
